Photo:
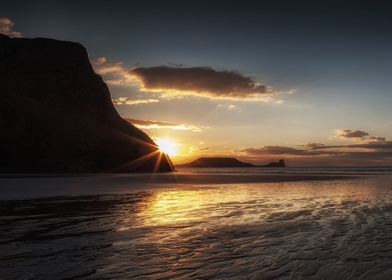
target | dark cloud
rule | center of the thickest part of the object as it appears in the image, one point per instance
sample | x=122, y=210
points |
x=374, y=145
x=315, y=146
x=377, y=138
x=203, y=81
x=177, y=80
x=348, y=133
x=376, y=151
x=377, y=145
x=280, y=150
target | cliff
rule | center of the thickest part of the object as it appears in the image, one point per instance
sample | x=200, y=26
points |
x=56, y=114
x=227, y=162
x=217, y=162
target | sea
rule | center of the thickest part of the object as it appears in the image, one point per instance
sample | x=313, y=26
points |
x=298, y=223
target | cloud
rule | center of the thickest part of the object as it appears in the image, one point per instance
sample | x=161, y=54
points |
x=358, y=154
x=348, y=133
x=99, y=60
x=6, y=26
x=371, y=150
x=143, y=124
x=279, y=102
x=114, y=73
x=374, y=145
x=280, y=150
x=127, y=101
x=315, y=146
x=200, y=81
x=193, y=149
x=177, y=81
x=374, y=152
x=363, y=136
x=377, y=139
x=228, y=107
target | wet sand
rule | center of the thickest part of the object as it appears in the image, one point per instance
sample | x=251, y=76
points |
x=24, y=186
x=316, y=229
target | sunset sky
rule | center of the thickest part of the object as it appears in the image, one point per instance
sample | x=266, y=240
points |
x=288, y=79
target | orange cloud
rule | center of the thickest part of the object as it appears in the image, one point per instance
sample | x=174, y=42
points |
x=6, y=26
x=127, y=101
x=143, y=124
x=228, y=107
x=99, y=60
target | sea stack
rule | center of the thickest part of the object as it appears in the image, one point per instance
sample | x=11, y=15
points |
x=56, y=114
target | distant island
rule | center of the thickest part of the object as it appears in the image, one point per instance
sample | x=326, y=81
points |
x=56, y=114
x=227, y=162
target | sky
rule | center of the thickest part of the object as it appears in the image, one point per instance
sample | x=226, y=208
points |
x=307, y=81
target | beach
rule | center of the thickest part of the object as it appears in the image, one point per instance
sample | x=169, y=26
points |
x=206, y=140
x=290, y=225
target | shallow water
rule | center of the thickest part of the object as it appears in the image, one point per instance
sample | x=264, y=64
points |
x=338, y=229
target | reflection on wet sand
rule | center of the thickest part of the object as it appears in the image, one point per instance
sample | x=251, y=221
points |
x=295, y=230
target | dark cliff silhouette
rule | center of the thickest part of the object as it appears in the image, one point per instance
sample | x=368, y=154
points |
x=56, y=114
x=217, y=162
x=227, y=162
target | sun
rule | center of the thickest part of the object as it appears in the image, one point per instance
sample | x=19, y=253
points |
x=167, y=146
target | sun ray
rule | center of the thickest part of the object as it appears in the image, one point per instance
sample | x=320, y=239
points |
x=167, y=146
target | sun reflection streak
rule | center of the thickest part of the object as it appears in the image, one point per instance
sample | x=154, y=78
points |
x=170, y=207
x=174, y=206
x=230, y=204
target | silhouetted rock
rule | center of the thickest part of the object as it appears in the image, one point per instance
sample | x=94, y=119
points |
x=217, y=162
x=227, y=162
x=280, y=163
x=56, y=114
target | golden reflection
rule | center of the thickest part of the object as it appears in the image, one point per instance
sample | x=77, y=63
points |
x=187, y=205
x=169, y=207
x=233, y=204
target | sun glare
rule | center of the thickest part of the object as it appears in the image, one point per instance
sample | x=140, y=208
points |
x=167, y=146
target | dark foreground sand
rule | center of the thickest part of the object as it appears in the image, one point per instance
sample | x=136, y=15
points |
x=288, y=229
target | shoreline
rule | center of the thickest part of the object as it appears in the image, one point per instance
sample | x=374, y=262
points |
x=21, y=188
x=166, y=175
x=192, y=178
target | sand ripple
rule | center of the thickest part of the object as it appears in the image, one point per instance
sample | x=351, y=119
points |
x=296, y=230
